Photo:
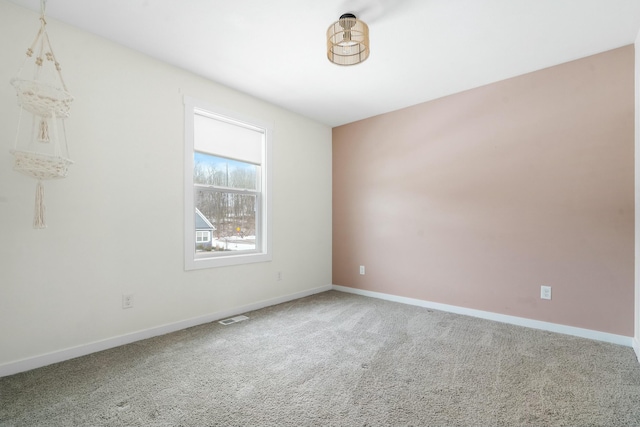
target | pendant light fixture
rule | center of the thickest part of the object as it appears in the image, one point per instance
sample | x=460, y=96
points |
x=348, y=41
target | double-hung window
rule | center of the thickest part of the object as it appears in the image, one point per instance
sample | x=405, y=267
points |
x=227, y=187
x=203, y=236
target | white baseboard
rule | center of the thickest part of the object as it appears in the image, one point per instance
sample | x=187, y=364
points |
x=636, y=348
x=82, y=350
x=513, y=320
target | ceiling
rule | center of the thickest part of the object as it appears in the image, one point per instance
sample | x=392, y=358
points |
x=420, y=49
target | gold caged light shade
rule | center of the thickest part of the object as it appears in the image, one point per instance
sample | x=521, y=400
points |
x=348, y=41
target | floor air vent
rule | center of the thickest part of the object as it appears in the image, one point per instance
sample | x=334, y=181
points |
x=233, y=320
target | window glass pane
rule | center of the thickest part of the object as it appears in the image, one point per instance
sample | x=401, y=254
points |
x=233, y=218
x=219, y=171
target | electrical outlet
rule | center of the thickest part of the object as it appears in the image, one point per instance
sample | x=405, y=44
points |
x=279, y=276
x=127, y=300
x=545, y=292
x=362, y=270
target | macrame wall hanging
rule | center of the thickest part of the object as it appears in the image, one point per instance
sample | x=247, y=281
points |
x=43, y=154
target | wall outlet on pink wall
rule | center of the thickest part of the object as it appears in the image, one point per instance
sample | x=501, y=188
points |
x=362, y=270
x=545, y=292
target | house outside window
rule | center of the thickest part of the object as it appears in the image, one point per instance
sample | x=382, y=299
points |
x=204, y=228
x=227, y=185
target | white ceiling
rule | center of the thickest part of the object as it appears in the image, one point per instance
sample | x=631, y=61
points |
x=420, y=49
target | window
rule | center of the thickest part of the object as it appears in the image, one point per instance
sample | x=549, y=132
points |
x=203, y=236
x=227, y=188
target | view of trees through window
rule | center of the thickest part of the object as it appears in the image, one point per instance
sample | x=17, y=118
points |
x=226, y=194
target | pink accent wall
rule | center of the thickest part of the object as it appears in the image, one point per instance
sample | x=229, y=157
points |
x=479, y=198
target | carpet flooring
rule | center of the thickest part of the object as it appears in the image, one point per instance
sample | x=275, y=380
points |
x=337, y=359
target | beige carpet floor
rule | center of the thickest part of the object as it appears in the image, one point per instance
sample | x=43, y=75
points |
x=337, y=359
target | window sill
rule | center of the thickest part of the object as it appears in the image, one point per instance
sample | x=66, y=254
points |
x=221, y=261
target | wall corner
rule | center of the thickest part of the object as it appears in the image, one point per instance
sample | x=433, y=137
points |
x=637, y=197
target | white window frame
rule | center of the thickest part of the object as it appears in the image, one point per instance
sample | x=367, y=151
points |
x=263, y=251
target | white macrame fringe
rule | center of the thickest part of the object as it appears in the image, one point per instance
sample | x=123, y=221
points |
x=43, y=132
x=39, y=220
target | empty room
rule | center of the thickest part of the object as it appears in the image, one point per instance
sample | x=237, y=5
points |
x=354, y=212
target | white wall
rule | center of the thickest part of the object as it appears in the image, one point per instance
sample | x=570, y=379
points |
x=115, y=224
